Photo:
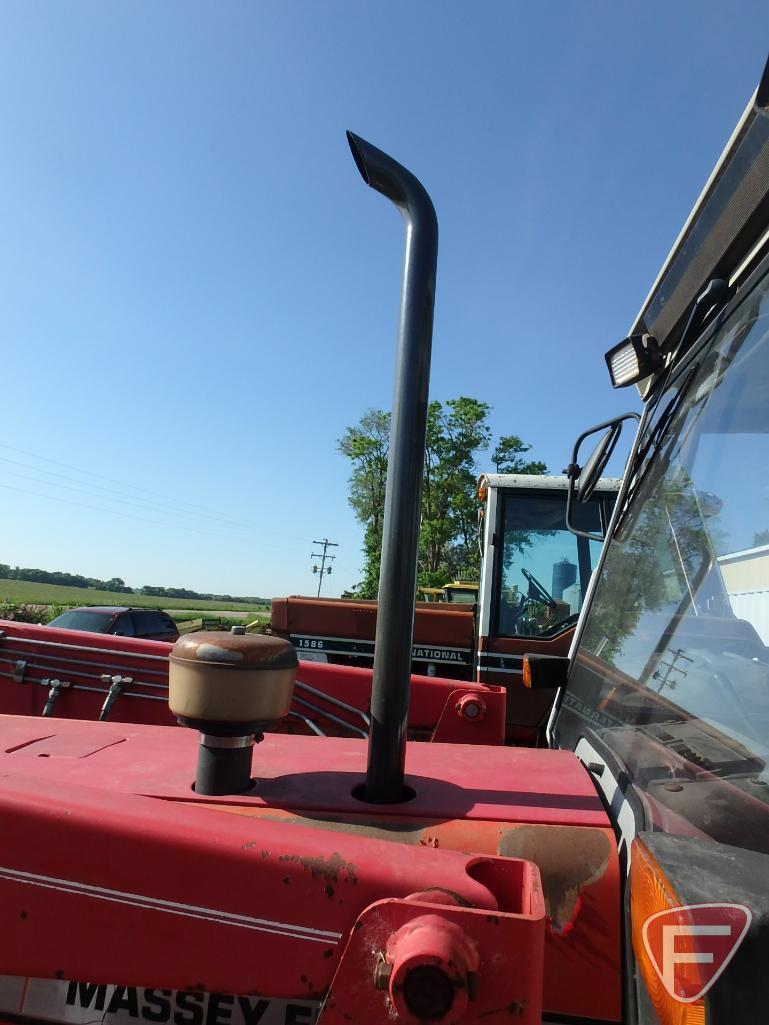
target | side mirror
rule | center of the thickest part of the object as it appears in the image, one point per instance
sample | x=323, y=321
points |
x=584, y=479
x=596, y=462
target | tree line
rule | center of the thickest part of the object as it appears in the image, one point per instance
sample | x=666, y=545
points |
x=44, y=576
x=457, y=433
x=183, y=592
x=115, y=584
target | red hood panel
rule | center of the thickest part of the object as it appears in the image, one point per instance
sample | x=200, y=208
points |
x=451, y=781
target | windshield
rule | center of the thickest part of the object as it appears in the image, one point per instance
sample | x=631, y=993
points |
x=92, y=622
x=545, y=569
x=672, y=672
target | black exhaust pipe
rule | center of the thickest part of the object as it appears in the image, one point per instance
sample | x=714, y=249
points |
x=400, y=537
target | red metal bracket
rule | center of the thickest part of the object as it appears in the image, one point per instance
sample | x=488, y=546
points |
x=427, y=958
x=472, y=716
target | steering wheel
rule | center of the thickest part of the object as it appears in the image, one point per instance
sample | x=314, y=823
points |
x=540, y=594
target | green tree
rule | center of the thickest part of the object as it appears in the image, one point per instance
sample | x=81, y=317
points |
x=508, y=457
x=457, y=434
x=117, y=584
x=366, y=445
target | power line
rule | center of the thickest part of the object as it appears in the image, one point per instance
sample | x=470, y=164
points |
x=324, y=557
x=89, y=473
x=131, y=516
x=122, y=500
x=107, y=493
x=167, y=505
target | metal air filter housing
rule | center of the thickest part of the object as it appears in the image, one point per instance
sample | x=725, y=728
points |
x=230, y=684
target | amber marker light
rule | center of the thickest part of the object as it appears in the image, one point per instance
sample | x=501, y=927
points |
x=681, y=949
x=650, y=893
x=483, y=489
x=526, y=671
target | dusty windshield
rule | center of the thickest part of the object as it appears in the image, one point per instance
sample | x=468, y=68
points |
x=672, y=673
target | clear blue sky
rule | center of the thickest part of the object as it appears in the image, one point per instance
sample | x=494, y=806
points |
x=198, y=293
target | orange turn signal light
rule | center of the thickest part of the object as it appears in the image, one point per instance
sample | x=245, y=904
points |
x=650, y=894
x=545, y=671
x=526, y=671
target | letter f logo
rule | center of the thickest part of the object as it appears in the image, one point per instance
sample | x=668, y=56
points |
x=690, y=946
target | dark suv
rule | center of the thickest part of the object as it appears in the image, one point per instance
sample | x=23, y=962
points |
x=150, y=624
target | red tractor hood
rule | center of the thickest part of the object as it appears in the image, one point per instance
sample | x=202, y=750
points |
x=105, y=841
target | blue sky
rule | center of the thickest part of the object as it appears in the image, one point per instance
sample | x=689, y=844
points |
x=198, y=293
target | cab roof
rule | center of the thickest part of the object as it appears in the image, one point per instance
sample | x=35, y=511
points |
x=543, y=482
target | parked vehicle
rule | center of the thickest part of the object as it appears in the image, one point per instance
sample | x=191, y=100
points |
x=150, y=624
x=461, y=591
x=620, y=876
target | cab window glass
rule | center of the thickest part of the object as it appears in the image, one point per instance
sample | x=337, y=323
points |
x=545, y=568
x=672, y=673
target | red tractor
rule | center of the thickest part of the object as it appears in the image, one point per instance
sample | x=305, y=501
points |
x=218, y=875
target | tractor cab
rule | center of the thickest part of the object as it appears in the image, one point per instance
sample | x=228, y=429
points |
x=665, y=695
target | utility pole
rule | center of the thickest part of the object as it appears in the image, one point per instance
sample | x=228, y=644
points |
x=324, y=558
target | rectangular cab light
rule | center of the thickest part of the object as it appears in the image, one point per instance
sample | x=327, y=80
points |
x=633, y=359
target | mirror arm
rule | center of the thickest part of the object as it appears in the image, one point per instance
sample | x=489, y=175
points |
x=569, y=498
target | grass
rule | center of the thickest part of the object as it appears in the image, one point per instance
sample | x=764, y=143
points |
x=24, y=592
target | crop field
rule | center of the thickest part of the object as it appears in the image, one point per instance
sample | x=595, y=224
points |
x=24, y=592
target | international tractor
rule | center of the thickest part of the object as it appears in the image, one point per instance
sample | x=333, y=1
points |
x=221, y=874
x=534, y=574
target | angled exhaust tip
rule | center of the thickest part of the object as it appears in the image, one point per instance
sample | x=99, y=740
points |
x=385, y=175
x=357, y=145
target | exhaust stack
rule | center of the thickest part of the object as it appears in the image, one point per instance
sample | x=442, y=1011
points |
x=400, y=538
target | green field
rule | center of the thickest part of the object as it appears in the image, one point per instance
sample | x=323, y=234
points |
x=23, y=592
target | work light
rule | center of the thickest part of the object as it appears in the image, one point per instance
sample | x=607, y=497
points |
x=633, y=359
